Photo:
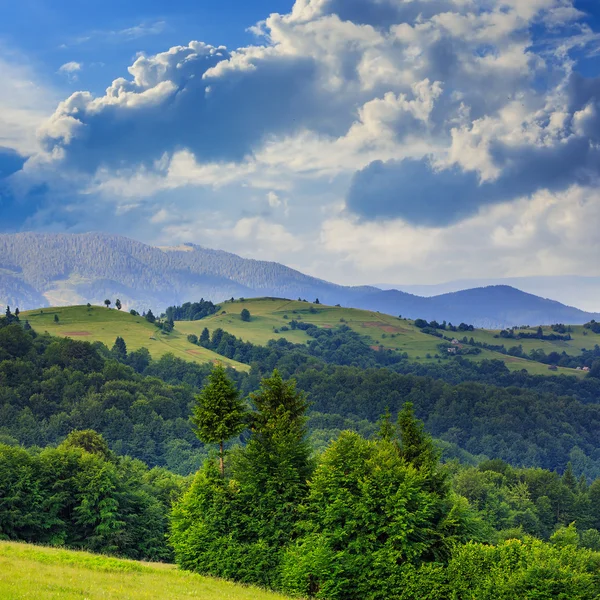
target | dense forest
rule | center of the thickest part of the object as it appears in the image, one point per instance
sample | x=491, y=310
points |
x=329, y=487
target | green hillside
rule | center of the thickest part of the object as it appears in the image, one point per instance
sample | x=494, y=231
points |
x=270, y=315
x=98, y=324
x=37, y=573
x=271, y=318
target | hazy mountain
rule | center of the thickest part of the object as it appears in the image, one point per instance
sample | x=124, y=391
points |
x=39, y=270
x=62, y=269
x=573, y=290
x=490, y=307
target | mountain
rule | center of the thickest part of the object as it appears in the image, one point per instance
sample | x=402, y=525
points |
x=492, y=307
x=573, y=290
x=38, y=270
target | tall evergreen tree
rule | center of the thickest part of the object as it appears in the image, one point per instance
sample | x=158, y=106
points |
x=119, y=350
x=205, y=337
x=219, y=412
x=276, y=464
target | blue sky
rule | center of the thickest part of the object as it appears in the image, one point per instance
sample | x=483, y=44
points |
x=357, y=140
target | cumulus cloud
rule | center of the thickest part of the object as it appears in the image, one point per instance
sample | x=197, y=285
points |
x=427, y=114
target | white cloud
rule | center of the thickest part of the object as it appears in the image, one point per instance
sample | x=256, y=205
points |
x=24, y=105
x=261, y=145
x=70, y=67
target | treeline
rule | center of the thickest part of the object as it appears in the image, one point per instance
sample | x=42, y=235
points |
x=81, y=495
x=49, y=387
x=369, y=519
x=191, y=311
x=338, y=346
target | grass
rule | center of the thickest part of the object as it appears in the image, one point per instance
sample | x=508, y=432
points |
x=99, y=324
x=269, y=315
x=38, y=573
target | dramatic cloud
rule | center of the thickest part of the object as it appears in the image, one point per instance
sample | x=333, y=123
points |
x=347, y=118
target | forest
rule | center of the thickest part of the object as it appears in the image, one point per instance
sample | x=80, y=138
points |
x=289, y=491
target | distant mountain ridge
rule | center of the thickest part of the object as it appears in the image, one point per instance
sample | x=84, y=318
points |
x=39, y=269
x=572, y=290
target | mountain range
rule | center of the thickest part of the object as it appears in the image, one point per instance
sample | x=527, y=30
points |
x=573, y=290
x=39, y=270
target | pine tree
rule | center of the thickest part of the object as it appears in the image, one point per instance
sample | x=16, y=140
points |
x=415, y=445
x=119, y=350
x=219, y=412
x=276, y=463
x=386, y=426
x=118, y=304
x=205, y=337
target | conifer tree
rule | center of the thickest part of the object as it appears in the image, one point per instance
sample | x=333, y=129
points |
x=219, y=412
x=119, y=350
x=205, y=337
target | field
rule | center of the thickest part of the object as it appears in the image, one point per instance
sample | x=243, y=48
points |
x=99, y=324
x=37, y=573
x=269, y=315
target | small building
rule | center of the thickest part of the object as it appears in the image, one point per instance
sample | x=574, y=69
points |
x=586, y=369
x=455, y=342
x=451, y=350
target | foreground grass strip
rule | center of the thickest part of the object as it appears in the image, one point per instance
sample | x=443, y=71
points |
x=36, y=573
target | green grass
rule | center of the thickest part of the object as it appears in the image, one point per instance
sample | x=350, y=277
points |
x=269, y=316
x=99, y=324
x=37, y=573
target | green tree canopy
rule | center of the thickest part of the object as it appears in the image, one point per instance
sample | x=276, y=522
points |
x=219, y=412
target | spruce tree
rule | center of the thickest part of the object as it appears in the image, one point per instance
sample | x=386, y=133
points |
x=205, y=337
x=219, y=412
x=276, y=464
x=119, y=350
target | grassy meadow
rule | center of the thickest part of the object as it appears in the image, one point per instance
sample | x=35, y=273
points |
x=269, y=316
x=99, y=324
x=39, y=573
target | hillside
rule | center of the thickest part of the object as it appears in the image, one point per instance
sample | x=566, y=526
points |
x=42, y=574
x=38, y=270
x=271, y=319
x=98, y=324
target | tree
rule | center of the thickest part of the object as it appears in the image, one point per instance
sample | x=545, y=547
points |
x=205, y=337
x=56, y=319
x=245, y=315
x=108, y=303
x=415, y=445
x=317, y=301
x=17, y=312
x=119, y=350
x=118, y=304
x=150, y=317
x=219, y=413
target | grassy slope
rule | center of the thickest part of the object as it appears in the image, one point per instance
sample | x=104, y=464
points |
x=100, y=324
x=380, y=329
x=36, y=573
x=103, y=325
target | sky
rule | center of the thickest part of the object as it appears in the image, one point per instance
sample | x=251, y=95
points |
x=361, y=141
